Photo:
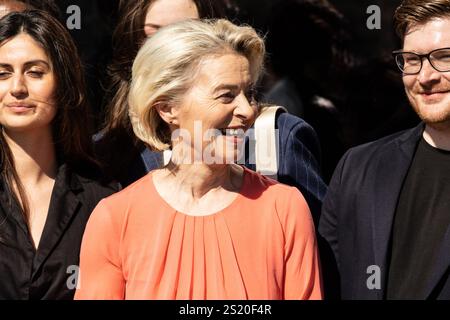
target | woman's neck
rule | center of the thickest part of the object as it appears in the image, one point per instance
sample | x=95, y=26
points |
x=34, y=155
x=199, y=179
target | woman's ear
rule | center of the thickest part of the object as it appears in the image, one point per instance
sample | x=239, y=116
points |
x=168, y=112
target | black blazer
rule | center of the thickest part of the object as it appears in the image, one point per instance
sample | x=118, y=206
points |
x=358, y=211
x=49, y=272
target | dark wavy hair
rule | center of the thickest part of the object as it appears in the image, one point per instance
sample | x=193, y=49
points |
x=128, y=37
x=70, y=127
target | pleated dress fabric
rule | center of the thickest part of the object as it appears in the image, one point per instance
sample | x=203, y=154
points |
x=262, y=246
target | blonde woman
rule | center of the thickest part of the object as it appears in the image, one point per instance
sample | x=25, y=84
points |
x=201, y=227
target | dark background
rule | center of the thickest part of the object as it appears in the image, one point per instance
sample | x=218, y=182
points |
x=98, y=21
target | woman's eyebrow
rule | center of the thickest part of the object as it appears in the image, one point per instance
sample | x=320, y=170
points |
x=26, y=64
x=226, y=86
x=35, y=62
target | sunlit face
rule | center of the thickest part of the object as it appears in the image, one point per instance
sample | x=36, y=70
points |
x=218, y=108
x=27, y=85
x=10, y=6
x=429, y=91
x=164, y=12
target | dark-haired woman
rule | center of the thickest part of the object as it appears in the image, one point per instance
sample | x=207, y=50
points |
x=49, y=180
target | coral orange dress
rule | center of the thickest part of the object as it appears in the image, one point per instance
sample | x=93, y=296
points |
x=262, y=246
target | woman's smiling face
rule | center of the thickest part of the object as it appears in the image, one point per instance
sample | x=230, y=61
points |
x=218, y=108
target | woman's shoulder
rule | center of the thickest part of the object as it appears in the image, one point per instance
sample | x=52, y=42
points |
x=257, y=181
x=132, y=194
x=286, y=199
x=113, y=210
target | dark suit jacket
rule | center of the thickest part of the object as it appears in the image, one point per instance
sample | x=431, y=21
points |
x=44, y=274
x=358, y=213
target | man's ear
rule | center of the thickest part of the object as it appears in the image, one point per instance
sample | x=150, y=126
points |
x=168, y=112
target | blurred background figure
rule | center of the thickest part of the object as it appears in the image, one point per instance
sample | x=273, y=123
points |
x=7, y=6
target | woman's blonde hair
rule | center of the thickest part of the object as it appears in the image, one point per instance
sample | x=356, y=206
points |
x=165, y=68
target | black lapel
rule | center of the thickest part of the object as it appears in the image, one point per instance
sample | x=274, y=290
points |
x=393, y=165
x=63, y=206
x=10, y=209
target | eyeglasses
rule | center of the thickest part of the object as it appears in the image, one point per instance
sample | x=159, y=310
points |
x=411, y=63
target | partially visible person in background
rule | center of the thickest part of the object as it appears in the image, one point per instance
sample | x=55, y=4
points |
x=49, y=179
x=229, y=233
x=7, y=6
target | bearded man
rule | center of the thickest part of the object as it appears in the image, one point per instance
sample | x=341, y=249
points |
x=387, y=211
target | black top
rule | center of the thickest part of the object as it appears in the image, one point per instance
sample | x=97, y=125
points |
x=49, y=272
x=421, y=220
x=358, y=216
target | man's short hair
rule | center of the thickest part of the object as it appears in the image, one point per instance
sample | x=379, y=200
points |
x=413, y=12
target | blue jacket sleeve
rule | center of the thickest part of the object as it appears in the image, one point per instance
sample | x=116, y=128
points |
x=300, y=160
